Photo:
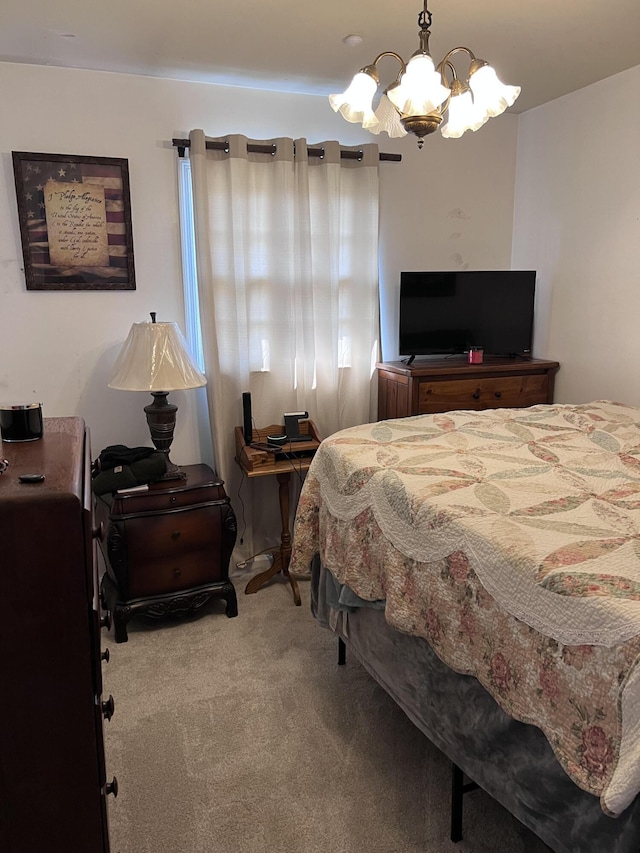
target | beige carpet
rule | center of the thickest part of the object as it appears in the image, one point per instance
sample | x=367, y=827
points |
x=244, y=736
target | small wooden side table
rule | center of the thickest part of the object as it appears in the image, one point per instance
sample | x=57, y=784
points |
x=292, y=457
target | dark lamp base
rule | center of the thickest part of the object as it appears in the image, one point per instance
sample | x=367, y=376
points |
x=161, y=418
x=173, y=472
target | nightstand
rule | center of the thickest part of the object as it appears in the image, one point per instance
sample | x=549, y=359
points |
x=167, y=548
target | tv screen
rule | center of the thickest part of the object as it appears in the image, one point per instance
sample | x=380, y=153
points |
x=449, y=312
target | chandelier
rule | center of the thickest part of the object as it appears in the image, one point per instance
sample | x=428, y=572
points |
x=422, y=94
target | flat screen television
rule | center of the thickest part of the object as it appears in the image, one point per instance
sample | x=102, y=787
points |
x=446, y=313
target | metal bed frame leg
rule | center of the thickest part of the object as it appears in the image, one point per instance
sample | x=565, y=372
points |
x=458, y=786
x=458, y=789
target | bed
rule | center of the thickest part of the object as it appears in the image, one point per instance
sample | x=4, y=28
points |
x=485, y=568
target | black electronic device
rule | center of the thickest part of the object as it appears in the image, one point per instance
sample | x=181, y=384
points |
x=291, y=425
x=277, y=440
x=447, y=313
x=31, y=478
x=247, y=428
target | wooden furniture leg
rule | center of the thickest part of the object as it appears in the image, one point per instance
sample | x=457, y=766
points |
x=281, y=556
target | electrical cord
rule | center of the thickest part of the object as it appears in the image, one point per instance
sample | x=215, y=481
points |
x=292, y=459
x=244, y=521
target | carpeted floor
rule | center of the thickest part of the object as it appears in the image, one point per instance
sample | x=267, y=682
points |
x=244, y=736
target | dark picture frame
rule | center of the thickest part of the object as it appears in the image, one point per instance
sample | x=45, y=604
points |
x=75, y=221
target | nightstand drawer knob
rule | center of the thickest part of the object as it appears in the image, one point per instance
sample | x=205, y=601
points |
x=498, y=394
x=175, y=534
x=111, y=787
x=98, y=532
x=105, y=621
x=108, y=708
x=476, y=394
x=173, y=499
x=177, y=573
x=105, y=656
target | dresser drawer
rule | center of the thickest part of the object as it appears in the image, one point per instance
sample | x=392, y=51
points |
x=483, y=393
x=447, y=384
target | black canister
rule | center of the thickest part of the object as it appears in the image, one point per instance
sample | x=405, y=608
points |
x=20, y=421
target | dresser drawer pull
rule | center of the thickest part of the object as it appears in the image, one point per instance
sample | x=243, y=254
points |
x=175, y=534
x=105, y=656
x=173, y=499
x=98, y=532
x=111, y=787
x=498, y=394
x=105, y=621
x=177, y=573
x=476, y=394
x=108, y=708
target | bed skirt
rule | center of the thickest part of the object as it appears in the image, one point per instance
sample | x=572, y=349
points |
x=510, y=760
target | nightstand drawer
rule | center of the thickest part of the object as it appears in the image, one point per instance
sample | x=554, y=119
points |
x=163, y=497
x=167, y=575
x=483, y=393
x=173, y=550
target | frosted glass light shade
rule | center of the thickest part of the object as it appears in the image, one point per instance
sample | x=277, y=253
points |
x=154, y=357
x=490, y=93
x=463, y=114
x=387, y=119
x=355, y=104
x=420, y=91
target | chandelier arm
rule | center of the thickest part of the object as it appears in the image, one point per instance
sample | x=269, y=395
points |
x=441, y=69
x=395, y=55
x=446, y=60
x=454, y=76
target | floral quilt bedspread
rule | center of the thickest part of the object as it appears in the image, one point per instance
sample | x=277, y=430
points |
x=510, y=540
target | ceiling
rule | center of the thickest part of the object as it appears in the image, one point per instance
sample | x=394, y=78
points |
x=548, y=47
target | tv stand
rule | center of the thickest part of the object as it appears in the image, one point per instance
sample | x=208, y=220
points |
x=445, y=385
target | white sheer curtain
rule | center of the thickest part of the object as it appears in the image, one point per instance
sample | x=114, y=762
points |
x=287, y=265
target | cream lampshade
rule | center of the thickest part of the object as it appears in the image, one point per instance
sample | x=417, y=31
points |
x=155, y=358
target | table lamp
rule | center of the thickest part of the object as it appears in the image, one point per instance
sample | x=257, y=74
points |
x=155, y=358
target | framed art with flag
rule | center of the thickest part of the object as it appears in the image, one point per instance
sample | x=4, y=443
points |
x=75, y=221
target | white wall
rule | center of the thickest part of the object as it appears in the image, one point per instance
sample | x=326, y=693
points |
x=450, y=209
x=577, y=221
x=447, y=206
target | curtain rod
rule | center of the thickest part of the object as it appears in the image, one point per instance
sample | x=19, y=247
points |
x=182, y=144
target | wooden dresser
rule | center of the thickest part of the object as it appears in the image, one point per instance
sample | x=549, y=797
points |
x=53, y=784
x=447, y=384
